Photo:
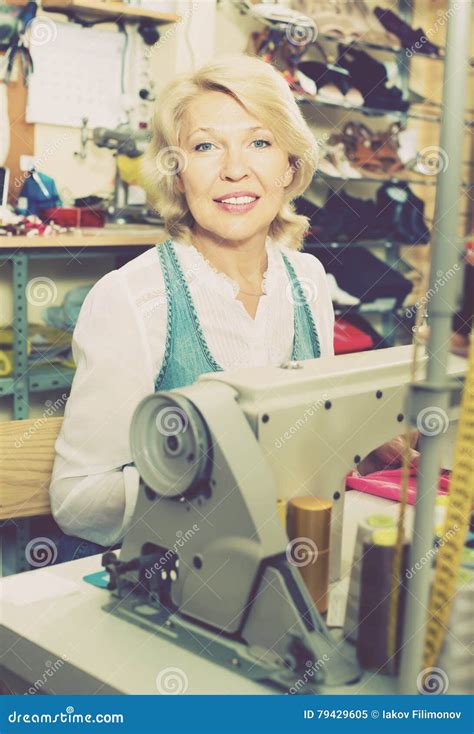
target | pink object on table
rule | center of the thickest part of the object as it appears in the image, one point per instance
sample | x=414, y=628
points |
x=387, y=483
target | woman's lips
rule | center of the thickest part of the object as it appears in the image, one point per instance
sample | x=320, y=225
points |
x=236, y=208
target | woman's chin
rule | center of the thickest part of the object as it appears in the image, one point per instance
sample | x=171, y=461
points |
x=236, y=232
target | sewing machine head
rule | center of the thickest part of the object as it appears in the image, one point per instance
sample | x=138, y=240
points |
x=206, y=544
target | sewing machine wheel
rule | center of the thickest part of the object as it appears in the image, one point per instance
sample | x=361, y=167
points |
x=170, y=444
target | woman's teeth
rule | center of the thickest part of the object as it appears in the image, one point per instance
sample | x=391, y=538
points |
x=239, y=200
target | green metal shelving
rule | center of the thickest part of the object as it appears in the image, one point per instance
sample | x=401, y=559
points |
x=27, y=378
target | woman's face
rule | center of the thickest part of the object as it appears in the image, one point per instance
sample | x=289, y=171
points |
x=225, y=152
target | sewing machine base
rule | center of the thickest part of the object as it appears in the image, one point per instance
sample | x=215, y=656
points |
x=231, y=654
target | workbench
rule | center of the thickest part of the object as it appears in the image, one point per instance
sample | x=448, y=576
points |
x=56, y=638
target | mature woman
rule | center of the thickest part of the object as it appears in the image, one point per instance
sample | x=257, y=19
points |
x=229, y=289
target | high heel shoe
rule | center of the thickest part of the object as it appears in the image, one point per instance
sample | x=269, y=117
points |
x=358, y=146
x=333, y=82
x=370, y=78
x=335, y=153
x=415, y=40
x=401, y=214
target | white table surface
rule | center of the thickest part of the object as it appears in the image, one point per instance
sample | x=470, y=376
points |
x=53, y=630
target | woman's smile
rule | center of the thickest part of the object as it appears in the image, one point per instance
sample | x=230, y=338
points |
x=238, y=202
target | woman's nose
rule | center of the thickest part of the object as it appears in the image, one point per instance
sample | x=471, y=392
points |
x=234, y=166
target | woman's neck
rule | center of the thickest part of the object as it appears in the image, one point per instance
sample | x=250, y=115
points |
x=244, y=261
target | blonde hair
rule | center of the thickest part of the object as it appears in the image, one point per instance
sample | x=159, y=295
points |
x=265, y=94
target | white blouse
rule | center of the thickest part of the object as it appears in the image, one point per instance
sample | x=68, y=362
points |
x=118, y=346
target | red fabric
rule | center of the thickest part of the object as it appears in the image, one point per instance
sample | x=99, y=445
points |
x=348, y=338
x=387, y=483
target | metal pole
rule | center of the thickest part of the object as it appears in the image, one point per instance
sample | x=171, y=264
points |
x=429, y=400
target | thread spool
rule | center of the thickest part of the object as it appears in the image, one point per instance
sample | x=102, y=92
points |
x=309, y=521
x=365, y=531
x=377, y=563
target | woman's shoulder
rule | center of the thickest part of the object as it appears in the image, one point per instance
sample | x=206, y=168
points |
x=132, y=284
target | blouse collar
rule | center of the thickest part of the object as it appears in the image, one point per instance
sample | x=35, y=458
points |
x=197, y=267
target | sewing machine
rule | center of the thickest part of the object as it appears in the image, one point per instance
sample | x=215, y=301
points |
x=204, y=561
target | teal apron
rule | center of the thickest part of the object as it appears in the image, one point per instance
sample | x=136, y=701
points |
x=187, y=354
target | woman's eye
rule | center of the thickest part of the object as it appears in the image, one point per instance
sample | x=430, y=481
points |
x=261, y=140
x=199, y=146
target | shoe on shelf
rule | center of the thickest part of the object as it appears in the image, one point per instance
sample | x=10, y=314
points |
x=401, y=214
x=370, y=78
x=329, y=82
x=307, y=84
x=336, y=153
x=338, y=295
x=414, y=40
x=299, y=84
x=326, y=167
x=358, y=141
x=376, y=153
x=265, y=44
x=333, y=83
x=385, y=147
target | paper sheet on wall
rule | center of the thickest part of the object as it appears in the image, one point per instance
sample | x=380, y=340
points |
x=76, y=74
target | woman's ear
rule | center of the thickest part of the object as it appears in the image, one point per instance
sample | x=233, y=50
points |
x=179, y=182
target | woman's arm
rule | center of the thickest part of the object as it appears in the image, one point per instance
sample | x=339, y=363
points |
x=91, y=496
x=97, y=507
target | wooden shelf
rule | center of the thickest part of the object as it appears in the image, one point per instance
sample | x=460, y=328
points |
x=104, y=10
x=110, y=236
